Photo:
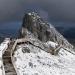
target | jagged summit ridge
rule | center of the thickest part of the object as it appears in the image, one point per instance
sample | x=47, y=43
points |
x=42, y=30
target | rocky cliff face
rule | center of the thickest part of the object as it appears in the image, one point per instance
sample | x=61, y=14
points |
x=46, y=51
x=42, y=30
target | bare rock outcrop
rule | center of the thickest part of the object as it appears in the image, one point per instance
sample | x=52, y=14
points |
x=42, y=30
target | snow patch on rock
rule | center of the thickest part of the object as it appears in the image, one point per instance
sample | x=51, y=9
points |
x=52, y=44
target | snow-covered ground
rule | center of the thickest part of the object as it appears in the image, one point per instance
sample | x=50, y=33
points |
x=3, y=47
x=39, y=62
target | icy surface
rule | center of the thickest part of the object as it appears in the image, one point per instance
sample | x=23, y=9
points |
x=40, y=62
x=3, y=47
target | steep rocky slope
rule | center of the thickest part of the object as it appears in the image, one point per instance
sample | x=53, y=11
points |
x=42, y=30
x=46, y=52
x=40, y=50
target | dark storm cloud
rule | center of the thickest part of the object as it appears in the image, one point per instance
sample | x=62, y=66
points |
x=13, y=10
x=60, y=9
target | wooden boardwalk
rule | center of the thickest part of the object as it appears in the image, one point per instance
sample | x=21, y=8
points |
x=7, y=57
x=8, y=66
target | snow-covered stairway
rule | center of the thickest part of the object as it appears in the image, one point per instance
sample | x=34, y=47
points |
x=8, y=66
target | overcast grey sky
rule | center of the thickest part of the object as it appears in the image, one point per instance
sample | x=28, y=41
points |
x=13, y=10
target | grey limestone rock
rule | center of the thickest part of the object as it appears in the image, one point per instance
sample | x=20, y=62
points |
x=35, y=27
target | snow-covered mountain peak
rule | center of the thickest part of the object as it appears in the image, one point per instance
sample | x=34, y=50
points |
x=39, y=50
x=42, y=30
